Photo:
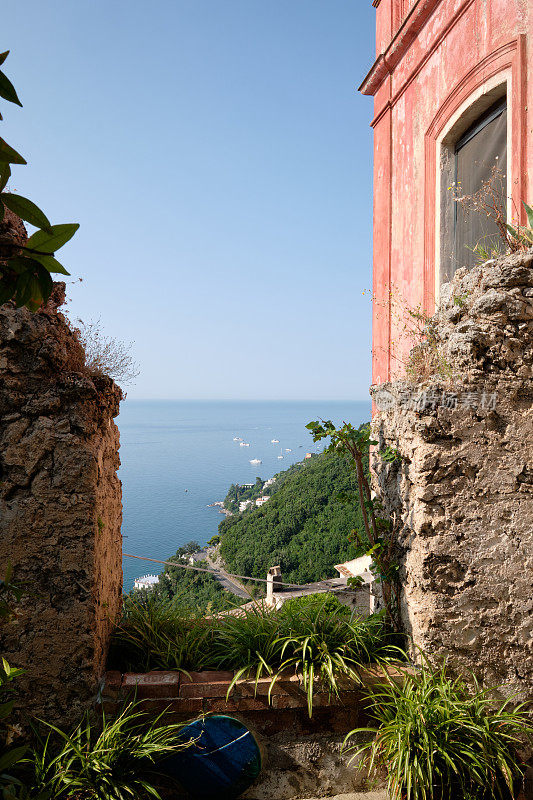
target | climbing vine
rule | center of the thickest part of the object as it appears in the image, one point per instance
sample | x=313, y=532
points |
x=25, y=269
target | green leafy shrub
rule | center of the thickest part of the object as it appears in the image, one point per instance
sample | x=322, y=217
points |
x=317, y=639
x=325, y=645
x=437, y=738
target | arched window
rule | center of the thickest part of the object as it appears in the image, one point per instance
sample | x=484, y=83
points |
x=480, y=174
x=473, y=161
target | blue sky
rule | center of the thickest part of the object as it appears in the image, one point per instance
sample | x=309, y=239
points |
x=219, y=159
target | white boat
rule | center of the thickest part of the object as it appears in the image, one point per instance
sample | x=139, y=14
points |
x=281, y=454
x=274, y=441
x=237, y=439
x=288, y=450
x=245, y=444
x=255, y=461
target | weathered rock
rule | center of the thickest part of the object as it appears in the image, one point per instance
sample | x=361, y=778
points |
x=60, y=510
x=462, y=494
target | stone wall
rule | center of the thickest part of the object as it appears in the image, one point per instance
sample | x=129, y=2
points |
x=60, y=510
x=461, y=492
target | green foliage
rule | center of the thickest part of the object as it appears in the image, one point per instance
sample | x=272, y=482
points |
x=113, y=760
x=238, y=494
x=10, y=757
x=376, y=537
x=316, y=637
x=390, y=454
x=304, y=527
x=197, y=591
x=438, y=739
x=154, y=633
x=323, y=646
x=522, y=235
x=25, y=272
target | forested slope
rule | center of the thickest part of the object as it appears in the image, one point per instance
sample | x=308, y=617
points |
x=304, y=527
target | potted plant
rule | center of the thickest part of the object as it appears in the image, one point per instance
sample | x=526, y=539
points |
x=439, y=739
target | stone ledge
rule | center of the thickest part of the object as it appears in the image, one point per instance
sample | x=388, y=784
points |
x=186, y=694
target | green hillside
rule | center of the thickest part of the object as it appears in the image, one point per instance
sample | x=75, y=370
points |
x=197, y=591
x=304, y=527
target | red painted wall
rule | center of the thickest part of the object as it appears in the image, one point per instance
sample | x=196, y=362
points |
x=433, y=56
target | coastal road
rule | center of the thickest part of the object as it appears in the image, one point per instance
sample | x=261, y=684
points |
x=230, y=584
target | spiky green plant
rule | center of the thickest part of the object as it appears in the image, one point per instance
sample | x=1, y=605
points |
x=158, y=634
x=324, y=646
x=247, y=643
x=116, y=760
x=318, y=640
x=439, y=738
x=522, y=235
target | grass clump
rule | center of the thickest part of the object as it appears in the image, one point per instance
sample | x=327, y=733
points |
x=158, y=634
x=316, y=638
x=112, y=760
x=439, y=739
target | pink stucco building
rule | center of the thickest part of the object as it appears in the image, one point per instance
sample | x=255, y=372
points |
x=453, y=105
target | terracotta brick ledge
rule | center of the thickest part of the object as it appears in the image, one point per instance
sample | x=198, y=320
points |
x=205, y=692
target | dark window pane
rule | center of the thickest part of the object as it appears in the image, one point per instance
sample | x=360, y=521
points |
x=477, y=154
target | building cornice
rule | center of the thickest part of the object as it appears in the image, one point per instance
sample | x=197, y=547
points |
x=407, y=33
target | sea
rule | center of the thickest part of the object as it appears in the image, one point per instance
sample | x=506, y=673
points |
x=178, y=457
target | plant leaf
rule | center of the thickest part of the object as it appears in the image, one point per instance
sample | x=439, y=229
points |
x=20, y=264
x=26, y=210
x=33, y=289
x=50, y=242
x=50, y=263
x=45, y=282
x=3, y=56
x=7, y=154
x=12, y=757
x=5, y=174
x=7, y=90
x=529, y=212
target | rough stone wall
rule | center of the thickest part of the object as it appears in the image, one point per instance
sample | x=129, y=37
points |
x=461, y=494
x=60, y=510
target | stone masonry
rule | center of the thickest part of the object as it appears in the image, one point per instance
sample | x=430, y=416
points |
x=60, y=510
x=461, y=492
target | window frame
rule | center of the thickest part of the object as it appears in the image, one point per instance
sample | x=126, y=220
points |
x=496, y=88
x=488, y=116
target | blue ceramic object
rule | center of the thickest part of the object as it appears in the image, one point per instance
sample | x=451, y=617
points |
x=223, y=761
